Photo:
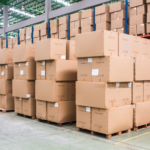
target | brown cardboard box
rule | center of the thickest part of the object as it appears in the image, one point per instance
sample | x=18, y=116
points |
x=125, y=45
x=28, y=41
x=44, y=25
x=86, y=29
x=6, y=56
x=84, y=117
x=137, y=92
x=63, y=34
x=72, y=38
x=118, y=15
x=134, y=3
x=140, y=113
x=72, y=25
x=44, y=32
x=54, y=23
x=148, y=17
x=63, y=27
x=146, y=91
x=22, y=42
x=103, y=26
x=18, y=105
x=138, y=19
x=116, y=7
x=36, y=27
x=103, y=119
x=23, y=52
x=87, y=22
x=7, y=71
x=36, y=33
x=98, y=42
x=7, y=102
x=133, y=30
x=22, y=31
x=101, y=9
x=61, y=112
x=54, y=29
x=87, y=13
x=41, y=112
x=43, y=37
x=52, y=91
x=147, y=1
x=148, y=28
x=63, y=20
x=117, y=24
x=50, y=49
x=148, y=8
x=102, y=18
x=28, y=33
x=23, y=88
x=36, y=39
x=40, y=70
x=75, y=31
x=77, y=24
x=139, y=10
x=55, y=35
x=70, y=53
x=141, y=29
x=121, y=30
x=133, y=11
x=22, y=37
x=102, y=95
x=29, y=106
x=6, y=86
x=17, y=69
x=75, y=17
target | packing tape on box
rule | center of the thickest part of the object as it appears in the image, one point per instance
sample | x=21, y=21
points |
x=56, y=105
x=89, y=59
x=21, y=72
x=117, y=84
x=26, y=63
x=63, y=56
x=28, y=95
x=5, y=66
x=43, y=63
x=2, y=73
x=88, y=109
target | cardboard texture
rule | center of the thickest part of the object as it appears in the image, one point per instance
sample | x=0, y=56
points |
x=84, y=117
x=43, y=25
x=134, y=3
x=63, y=20
x=103, y=119
x=87, y=13
x=36, y=27
x=70, y=53
x=102, y=18
x=56, y=35
x=98, y=42
x=36, y=33
x=54, y=22
x=72, y=38
x=141, y=29
x=86, y=29
x=6, y=86
x=75, y=31
x=43, y=37
x=116, y=7
x=148, y=17
x=148, y=8
x=7, y=71
x=121, y=30
x=27, y=89
x=140, y=111
x=40, y=70
x=75, y=17
x=44, y=32
x=61, y=112
x=36, y=39
x=148, y=28
x=147, y=1
x=101, y=9
x=6, y=56
x=139, y=10
x=22, y=37
x=63, y=27
x=138, y=19
x=133, y=30
x=54, y=29
x=146, y=91
x=28, y=33
x=117, y=24
x=50, y=49
x=22, y=31
x=103, y=26
x=54, y=91
x=18, y=105
x=87, y=22
x=63, y=34
x=118, y=15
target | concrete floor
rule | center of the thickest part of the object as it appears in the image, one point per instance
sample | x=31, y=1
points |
x=20, y=133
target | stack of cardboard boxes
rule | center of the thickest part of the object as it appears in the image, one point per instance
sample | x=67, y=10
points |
x=75, y=25
x=103, y=89
x=148, y=16
x=137, y=17
x=6, y=76
x=44, y=30
x=102, y=17
x=63, y=27
x=87, y=21
x=24, y=79
x=22, y=34
x=117, y=11
x=54, y=28
x=15, y=41
x=1, y=43
x=55, y=82
x=36, y=33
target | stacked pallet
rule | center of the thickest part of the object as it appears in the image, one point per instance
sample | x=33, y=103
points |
x=44, y=30
x=36, y=33
x=24, y=79
x=54, y=28
x=137, y=17
x=22, y=34
x=117, y=11
x=103, y=89
x=102, y=17
x=55, y=82
x=6, y=76
x=148, y=16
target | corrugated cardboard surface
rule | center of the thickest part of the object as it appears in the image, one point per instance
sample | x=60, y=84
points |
x=54, y=29
x=63, y=27
x=87, y=22
x=75, y=31
x=5, y=86
x=138, y=19
x=141, y=29
x=86, y=29
x=103, y=26
x=18, y=105
x=63, y=34
x=148, y=7
x=70, y=53
x=43, y=25
x=101, y=9
x=146, y=91
x=36, y=34
x=54, y=22
x=116, y=6
x=117, y=24
x=133, y=30
x=87, y=13
x=40, y=70
x=134, y=3
x=118, y=15
x=75, y=17
x=63, y=20
x=103, y=119
x=139, y=10
x=102, y=18
x=7, y=71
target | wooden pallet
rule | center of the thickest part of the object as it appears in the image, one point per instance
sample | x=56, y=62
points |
x=109, y=136
x=5, y=110
x=32, y=117
x=141, y=127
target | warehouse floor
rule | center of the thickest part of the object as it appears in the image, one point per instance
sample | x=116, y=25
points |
x=20, y=133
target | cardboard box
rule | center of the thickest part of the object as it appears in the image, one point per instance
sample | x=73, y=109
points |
x=87, y=22
x=61, y=112
x=54, y=29
x=50, y=49
x=77, y=24
x=63, y=27
x=139, y=10
x=22, y=42
x=44, y=32
x=41, y=112
x=7, y=71
x=36, y=27
x=36, y=33
x=86, y=29
x=54, y=23
x=72, y=25
x=75, y=31
x=146, y=91
x=29, y=106
x=72, y=38
x=103, y=26
x=101, y=9
x=22, y=37
x=70, y=53
x=52, y=91
x=118, y=15
x=27, y=90
x=75, y=17
x=134, y=3
x=56, y=35
x=40, y=70
x=44, y=25
x=28, y=33
x=63, y=20
x=6, y=86
x=121, y=30
x=24, y=52
x=148, y=8
x=140, y=111
x=6, y=56
x=36, y=39
x=22, y=31
x=147, y=1
x=98, y=42
x=125, y=45
x=7, y=102
x=138, y=19
x=116, y=6
x=84, y=117
x=148, y=17
x=63, y=34
x=133, y=30
x=43, y=37
x=103, y=119
x=117, y=24
x=28, y=41
x=141, y=29
x=148, y=28
x=87, y=13
x=18, y=105
x=133, y=11
x=102, y=18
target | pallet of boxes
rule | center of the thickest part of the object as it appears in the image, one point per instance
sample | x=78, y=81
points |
x=103, y=89
x=54, y=28
x=24, y=79
x=55, y=82
x=137, y=17
x=6, y=76
x=36, y=33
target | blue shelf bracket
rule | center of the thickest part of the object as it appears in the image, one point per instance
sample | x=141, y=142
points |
x=126, y=16
x=68, y=27
x=48, y=36
x=6, y=41
x=94, y=26
x=32, y=35
x=18, y=38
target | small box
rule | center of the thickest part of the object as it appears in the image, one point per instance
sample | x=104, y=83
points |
x=22, y=31
x=63, y=27
x=54, y=23
x=44, y=25
x=36, y=39
x=36, y=33
x=7, y=71
x=63, y=34
x=70, y=54
x=133, y=30
x=44, y=37
x=138, y=19
x=118, y=15
x=134, y=3
x=54, y=29
x=22, y=37
x=101, y=9
x=117, y=24
x=75, y=17
x=63, y=20
x=40, y=70
x=87, y=13
x=44, y=32
x=87, y=22
x=114, y=7
x=36, y=28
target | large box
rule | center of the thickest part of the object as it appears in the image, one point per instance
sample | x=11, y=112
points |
x=103, y=95
x=18, y=105
x=86, y=29
x=116, y=6
x=101, y=9
x=103, y=26
x=103, y=119
x=134, y=3
x=5, y=86
x=61, y=112
x=118, y=15
x=6, y=56
x=141, y=112
x=98, y=42
x=7, y=71
x=54, y=91
x=138, y=19
x=146, y=91
x=23, y=88
x=117, y=24
x=87, y=13
x=70, y=50
x=50, y=49
x=75, y=17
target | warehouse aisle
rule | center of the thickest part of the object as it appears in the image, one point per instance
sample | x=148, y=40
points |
x=19, y=133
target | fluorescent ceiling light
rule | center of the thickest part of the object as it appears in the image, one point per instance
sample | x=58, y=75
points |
x=63, y=2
